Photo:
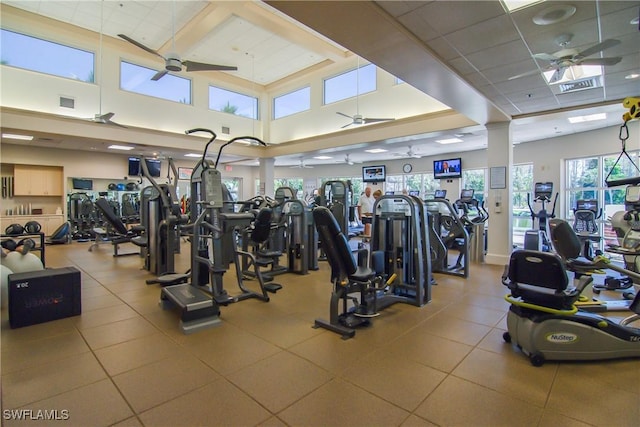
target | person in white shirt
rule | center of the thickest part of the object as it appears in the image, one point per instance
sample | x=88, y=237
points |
x=365, y=210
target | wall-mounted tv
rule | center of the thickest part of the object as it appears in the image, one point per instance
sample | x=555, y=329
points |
x=82, y=184
x=447, y=168
x=374, y=173
x=152, y=164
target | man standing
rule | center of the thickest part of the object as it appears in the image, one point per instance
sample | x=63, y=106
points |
x=365, y=210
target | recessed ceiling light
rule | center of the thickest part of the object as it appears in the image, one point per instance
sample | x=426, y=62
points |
x=120, y=147
x=589, y=118
x=376, y=150
x=20, y=137
x=323, y=157
x=193, y=155
x=632, y=76
x=512, y=5
x=448, y=140
x=554, y=14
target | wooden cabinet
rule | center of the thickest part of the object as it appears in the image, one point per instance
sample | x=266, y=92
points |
x=30, y=180
x=48, y=223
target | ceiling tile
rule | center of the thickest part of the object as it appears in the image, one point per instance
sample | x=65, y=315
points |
x=503, y=72
x=418, y=26
x=507, y=53
x=495, y=31
x=399, y=8
x=443, y=49
x=449, y=16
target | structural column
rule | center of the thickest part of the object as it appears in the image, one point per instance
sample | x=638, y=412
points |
x=267, y=177
x=500, y=164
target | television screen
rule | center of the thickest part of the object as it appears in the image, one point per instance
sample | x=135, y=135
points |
x=415, y=193
x=152, y=164
x=374, y=173
x=440, y=194
x=543, y=189
x=389, y=193
x=82, y=184
x=134, y=166
x=449, y=168
x=587, y=205
x=154, y=167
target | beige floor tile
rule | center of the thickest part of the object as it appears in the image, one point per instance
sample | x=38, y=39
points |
x=279, y=380
x=416, y=421
x=16, y=357
x=512, y=376
x=137, y=352
x=379, y=374
x=273, y=422
x=96, y=291
x=105, y=316
x=474, y=313
x=422, y=347
x=117, y=332
x=13, y=337
x=590, y=399
x=495, y=343
x=229, y=351
x=97, y=404
x=339, y=403
x=129, y=422
x=98, y=302
x=159, y=382
x=226, y=405
x=47, y=380
x=457, y=402
x=462, y=331
x=551, y=418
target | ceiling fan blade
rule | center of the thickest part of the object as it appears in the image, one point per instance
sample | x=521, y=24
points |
x=109, y=122
x=366, y=120
x=600, y=61
x=104, y=117
x=528, y=73
x=342, y=114
x=599, y=47
x=347, y=125
x=557, y=75
x=545, y=56
x=140, y=45
x=200, y=66
x=160, y=74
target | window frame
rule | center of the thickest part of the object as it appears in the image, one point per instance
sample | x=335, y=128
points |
x=358, y=79
x=276, y=98
x=256, y=109
x=164, y=80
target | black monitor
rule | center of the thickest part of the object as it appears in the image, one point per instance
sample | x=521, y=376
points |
x=82, y=184
x=415, y=193
x=389, y=193
x=543, y=190
x=587, y=205
x=440, y=194
x=466, y=194
x=153, y=165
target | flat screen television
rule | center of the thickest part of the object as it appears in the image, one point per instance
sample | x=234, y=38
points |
x=440, y=194
x=152, y=164
x=415, y=193
x=447, y=168
x=82, y=184
x=374, y=173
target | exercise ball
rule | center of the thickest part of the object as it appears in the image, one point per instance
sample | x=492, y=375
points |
x=4, y=285
x=19, y=263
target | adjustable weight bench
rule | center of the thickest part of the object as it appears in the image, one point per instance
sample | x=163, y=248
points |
x=121, y=233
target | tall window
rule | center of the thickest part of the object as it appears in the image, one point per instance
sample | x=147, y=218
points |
x=422, y=182
x=349, y=84
x=585, y=179
x=295, y=183
x=137, y=79
x=522, y=180
x=227, y=101
x=31, y=53
x=475, y=179
x=234, y=186
x=292, y=102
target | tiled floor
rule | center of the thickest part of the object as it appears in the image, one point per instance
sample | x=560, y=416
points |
x=124, y=361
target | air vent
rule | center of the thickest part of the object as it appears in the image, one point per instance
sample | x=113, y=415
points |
x=67, y=102
x=590, y=83
x=226, y=130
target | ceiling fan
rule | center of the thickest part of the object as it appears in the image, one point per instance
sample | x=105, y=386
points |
x=173, y=62
x=411, y=154
x=565, y=58
x=358, y=119
x=349, y=161
x=302, y=165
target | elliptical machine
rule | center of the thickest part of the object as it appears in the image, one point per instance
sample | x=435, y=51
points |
x=585, y=216
x=537, y=239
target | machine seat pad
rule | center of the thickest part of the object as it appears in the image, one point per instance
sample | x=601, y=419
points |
x=362, y=274
x=140, y=241
x=269, y=254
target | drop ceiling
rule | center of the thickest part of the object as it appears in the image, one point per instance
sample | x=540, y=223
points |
x=463, y=54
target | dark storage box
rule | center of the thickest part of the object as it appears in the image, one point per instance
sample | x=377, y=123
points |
x=41, y=296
